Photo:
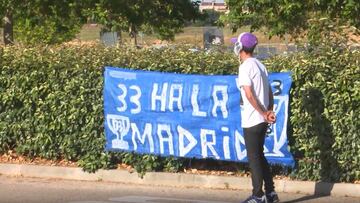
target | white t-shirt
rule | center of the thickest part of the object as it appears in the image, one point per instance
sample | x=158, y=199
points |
x=253, y=73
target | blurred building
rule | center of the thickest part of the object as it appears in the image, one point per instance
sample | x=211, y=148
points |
x=217, y=5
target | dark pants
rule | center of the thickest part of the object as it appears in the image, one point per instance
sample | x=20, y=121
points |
x=259, y=167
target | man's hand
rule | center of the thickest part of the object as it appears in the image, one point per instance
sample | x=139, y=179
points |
x=269, y=117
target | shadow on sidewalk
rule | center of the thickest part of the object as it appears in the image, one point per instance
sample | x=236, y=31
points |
x=321, y=128
x=322, y=189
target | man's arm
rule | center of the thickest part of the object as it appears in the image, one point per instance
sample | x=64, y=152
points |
x=271, y=117
x=253, y=101
x=271, y=100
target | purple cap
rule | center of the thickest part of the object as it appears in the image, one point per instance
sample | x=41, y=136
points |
x=247, y=40
x=233, y=40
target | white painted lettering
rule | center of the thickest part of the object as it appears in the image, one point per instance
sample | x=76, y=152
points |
x=136, y=99
x=173, y=99
x=146, y=134
x=205, y=144
x=165, y=128
x=220, y=103
x=183, y=150
x=194, y=102
x=161, y=97
x=240, y=154
x=226, y=142
x=122, y=98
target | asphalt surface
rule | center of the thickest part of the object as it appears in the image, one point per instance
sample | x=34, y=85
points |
x=35, y=190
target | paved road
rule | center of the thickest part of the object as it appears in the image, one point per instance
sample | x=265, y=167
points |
x=31, y=190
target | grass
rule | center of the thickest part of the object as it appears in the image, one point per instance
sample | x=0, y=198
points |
x=89, y=32
x=190, y=35
x=1, y=36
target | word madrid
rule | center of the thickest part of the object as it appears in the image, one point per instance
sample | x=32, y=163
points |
x=165, y=134
x=186, y=115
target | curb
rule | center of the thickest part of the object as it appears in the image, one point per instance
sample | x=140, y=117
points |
x=178, y=180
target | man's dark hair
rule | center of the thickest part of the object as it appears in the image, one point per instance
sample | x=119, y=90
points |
x=248, y=50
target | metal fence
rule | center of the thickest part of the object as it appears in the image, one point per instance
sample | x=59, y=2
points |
x=263, y=51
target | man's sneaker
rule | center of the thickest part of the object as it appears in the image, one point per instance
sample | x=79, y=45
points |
x=254, y=199
x=272, y=197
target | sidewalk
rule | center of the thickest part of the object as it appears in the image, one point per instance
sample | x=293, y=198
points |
x=178, y=180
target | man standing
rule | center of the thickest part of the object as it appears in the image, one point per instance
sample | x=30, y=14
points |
x=256, y=113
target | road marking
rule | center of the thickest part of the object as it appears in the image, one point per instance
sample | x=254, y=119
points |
x=146, y=199
x=91, y=202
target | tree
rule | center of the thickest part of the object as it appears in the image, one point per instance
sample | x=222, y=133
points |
x=6, y=12
x=294, y=17
x=162, y=17
x=46, y=21
x=41, y=21
x=210, y=17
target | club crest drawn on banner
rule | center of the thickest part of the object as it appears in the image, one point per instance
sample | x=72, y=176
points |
x=120, y=126
x=187, y=115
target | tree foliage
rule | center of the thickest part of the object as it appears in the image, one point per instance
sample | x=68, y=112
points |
x=49, y=22
x=293, y=17
x=162, y=17
x=43, y=21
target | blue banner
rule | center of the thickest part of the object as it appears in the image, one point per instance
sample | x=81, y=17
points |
x=187, y=115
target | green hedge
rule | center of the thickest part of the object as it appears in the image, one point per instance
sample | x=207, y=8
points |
x=51, y=104
x=325, y=113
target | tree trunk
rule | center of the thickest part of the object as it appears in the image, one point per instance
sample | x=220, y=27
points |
x=135, y=39
x=119, y=37
x=8, y=28
x=133, y=34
